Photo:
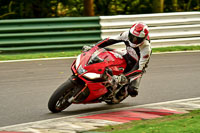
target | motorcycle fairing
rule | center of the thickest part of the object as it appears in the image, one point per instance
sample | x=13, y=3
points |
x=96, y=61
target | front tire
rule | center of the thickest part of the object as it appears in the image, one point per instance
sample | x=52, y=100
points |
x=59, y=99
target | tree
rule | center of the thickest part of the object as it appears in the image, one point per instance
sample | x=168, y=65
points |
x=158, y=6
x=27, y=9
x=14, y=9
x=88, y=8
x=175, y=5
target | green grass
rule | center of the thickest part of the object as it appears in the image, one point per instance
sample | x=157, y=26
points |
x=184, y=123
x=19, y=56
x=176, y=48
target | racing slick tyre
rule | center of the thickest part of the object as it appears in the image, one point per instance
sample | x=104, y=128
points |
x=59, y=99
x=116, y=100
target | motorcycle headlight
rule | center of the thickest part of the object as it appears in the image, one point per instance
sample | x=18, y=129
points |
x=78, y=61
x=81, y=70
x=92, y=75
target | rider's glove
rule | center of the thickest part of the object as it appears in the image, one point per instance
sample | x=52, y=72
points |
x=86, y=48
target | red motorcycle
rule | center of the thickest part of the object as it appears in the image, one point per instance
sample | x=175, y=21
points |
x=92, y=80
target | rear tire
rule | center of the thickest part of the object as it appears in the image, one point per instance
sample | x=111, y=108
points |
x=111, y=102
x=59, y=99
x=116, y=99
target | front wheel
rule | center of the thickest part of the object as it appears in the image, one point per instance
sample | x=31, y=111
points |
x=59, y=99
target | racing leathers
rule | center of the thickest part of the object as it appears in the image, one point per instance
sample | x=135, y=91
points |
x=136, y=56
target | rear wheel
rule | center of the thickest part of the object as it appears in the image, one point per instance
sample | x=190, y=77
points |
x=116, y=100
x=59, y=99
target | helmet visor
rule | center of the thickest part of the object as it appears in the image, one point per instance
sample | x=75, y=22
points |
x=134, y=39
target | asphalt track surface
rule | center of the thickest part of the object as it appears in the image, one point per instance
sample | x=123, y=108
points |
x=25, y=87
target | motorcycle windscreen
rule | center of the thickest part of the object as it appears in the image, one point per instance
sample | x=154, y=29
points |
x=95, y=58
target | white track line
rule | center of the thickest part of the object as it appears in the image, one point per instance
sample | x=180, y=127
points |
x=39, y=59
x=60, y=58
x=105, y=111
x=177, y=52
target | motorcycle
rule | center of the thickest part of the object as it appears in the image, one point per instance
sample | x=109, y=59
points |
x=92, y=80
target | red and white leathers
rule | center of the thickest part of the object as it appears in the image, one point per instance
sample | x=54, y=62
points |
x=137, y=55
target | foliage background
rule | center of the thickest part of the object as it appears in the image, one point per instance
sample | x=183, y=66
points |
x=12, y=9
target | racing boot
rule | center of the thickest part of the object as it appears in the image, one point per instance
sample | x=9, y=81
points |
x=133, y=87
x=132, y=91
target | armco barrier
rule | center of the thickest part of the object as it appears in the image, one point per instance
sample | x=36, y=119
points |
x=48, y=33
x=166, y=29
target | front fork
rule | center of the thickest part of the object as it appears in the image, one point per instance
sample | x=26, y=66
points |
x=79, y=87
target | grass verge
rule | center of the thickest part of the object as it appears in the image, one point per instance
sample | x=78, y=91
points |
x=184, y=123
x=19, y=56
x=176, y=48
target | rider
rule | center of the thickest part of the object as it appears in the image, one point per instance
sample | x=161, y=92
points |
x=138, y=52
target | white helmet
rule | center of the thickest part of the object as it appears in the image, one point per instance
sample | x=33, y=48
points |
x=138, y=33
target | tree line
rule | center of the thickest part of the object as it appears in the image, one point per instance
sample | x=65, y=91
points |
x=14, y=9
